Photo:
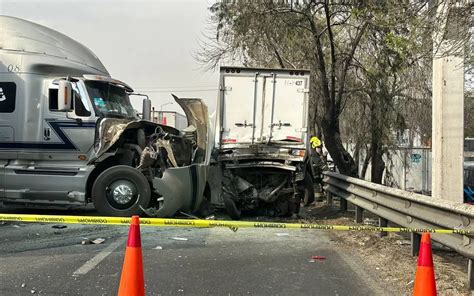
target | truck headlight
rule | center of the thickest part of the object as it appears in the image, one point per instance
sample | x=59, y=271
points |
x=298, y=152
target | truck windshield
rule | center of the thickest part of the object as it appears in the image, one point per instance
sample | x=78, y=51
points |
x=110, y=100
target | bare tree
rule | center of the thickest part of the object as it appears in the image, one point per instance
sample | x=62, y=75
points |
x=363, y=57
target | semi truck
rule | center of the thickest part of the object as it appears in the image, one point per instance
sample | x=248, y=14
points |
x=70, y=137
x=260, y=160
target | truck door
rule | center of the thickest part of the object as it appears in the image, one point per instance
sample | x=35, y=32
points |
x=285, y=108
x=241, y=108
x=68, y=135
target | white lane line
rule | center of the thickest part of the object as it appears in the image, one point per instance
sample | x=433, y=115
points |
x=89, y=265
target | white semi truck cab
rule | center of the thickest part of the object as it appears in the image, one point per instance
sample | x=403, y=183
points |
x=260, y=155
x=69, y=135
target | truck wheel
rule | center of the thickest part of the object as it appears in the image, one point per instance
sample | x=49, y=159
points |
x=120, y=191
x=308, y=193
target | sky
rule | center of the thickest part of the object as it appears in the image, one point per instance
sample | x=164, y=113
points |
x=149, y=44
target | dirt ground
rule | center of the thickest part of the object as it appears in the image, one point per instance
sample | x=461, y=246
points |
x=390, y=256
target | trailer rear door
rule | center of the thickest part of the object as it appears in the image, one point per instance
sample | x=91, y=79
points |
x=262, y=106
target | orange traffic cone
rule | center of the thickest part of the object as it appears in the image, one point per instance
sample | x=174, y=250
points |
x=425, y=278
x=132, y=281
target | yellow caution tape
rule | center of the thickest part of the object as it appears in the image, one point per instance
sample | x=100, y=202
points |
x=163, y=222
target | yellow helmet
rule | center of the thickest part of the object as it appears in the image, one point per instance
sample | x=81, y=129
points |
x=315, y=142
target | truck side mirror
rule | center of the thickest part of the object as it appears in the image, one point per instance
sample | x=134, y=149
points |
x=64, y=96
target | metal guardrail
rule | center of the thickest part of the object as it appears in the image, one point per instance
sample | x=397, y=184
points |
x=409, y=210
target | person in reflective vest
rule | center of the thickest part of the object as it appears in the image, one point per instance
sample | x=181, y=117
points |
x=318, y=164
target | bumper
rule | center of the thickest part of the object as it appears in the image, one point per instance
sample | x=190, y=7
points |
x=182, y=189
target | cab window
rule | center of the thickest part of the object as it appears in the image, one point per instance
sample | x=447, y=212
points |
x=79, y=105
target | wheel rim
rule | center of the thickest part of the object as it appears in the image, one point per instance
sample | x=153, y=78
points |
x=122, y=194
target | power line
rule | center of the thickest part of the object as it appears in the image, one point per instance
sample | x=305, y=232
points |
x=174, y=90
x=175, y=87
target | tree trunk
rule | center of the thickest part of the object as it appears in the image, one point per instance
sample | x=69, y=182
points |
x=342, y=159
x=376, y=145
x=378, y=165
x=365, y=165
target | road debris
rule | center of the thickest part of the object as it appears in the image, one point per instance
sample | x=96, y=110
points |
x=98, y=241
x=368, y=221
x=59, y=226
x=403, y=242
x=318, y=257
x=87, y=241
x=23, y=285
x=179, y=238
x=158, y=248
x=33, y=292
x=282, y=234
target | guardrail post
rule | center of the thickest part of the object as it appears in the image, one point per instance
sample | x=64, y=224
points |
x=359, y=214
x=415, y=239
x=470, y=274
x=383, y=223
x=343, y=204
x=329, y=198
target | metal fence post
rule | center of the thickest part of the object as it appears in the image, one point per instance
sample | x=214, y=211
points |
x=359, y=214
x=470, y=274
x=415, y=239
x=383, y=223
x=343, y=204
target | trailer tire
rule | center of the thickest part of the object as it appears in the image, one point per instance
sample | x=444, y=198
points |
x=120, y=191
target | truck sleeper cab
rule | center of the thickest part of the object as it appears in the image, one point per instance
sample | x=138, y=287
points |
x=69, y=135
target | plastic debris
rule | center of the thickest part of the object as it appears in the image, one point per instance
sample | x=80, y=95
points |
x=282, y=234
x=23, y=285
x=33, y=292
x=368, y=221
x=403, y=242
x=98, y=241
x=179, y=238
x=86, y=241
x=234, y=229
x=59, y=226
x=318, y=258
x=158, y=248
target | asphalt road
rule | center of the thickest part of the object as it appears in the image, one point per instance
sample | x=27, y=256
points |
x=40, y=259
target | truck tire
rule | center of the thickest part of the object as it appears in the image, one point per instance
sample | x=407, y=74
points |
x=308, y=191
x=120, y=191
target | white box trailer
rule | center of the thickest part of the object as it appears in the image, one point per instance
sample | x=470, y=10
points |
x=170, y=118
x=261, y=142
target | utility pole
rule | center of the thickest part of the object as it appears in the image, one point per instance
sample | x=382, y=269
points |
x=448, y=110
